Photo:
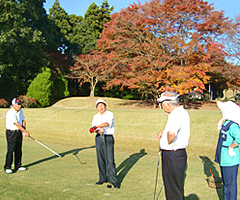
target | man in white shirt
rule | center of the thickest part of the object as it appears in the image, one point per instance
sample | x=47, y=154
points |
x=173, y=141
x=16, y=127
x=103, y=125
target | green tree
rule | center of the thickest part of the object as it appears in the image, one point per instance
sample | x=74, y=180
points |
x=61, y=87
x=64, y=24
x=41, y=88
x=86, y=34
x=26, y=34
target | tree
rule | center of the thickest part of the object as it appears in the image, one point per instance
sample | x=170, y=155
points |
x=86, y=34
x=64, y=23
x=232, y=40
x=41, y=88
x=26, y=34
x=61, y=87
x=163, y=45
x=88, y=68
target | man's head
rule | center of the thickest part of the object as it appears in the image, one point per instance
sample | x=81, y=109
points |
x=16, y=104
x=101, y=106
x=169, y=100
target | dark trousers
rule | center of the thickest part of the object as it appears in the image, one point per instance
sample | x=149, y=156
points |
x=14, y=145
x=105, y=158
x=229, y=178
x=173, y=169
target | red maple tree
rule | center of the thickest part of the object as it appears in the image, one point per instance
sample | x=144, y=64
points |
x=163, y=45
x=88, y=68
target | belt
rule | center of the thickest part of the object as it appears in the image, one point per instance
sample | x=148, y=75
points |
x=172, y=150
x=13, y=130
x=101, y=134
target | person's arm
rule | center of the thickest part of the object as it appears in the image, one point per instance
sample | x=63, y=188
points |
x=100, y=127
x=21, y=128
x=105, y=124
x=160, y=134
x=24, y=124
x=170, y=136
x=233, y=145
x=235, y=133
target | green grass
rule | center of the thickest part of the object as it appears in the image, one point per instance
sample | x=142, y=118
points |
x=65, y=130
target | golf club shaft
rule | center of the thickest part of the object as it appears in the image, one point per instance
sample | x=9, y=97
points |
x=45, y=147
x=157, y=173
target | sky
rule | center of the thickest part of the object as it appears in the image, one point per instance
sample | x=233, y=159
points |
x=79, y=7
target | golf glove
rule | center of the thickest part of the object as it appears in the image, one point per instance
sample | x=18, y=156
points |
x=231, y=152
x=92, y=129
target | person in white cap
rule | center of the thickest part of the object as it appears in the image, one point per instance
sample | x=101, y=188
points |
x=103, y=125
x=227, y=151
x=16, y=127
x=174, y=139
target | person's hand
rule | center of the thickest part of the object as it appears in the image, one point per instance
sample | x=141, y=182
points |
x=231, y=152
x=26, y=133
x=160, y=134
x=92, y=129
x=101, y=130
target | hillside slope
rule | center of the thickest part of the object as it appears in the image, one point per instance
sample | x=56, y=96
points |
x=112, y=103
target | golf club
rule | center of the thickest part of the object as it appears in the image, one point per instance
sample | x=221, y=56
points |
x=45, y=147
x=157, y=172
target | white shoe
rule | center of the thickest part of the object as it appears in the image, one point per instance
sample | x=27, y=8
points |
x=8, y=171
x=22, y=168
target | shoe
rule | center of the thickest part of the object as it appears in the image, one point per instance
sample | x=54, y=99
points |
x=116, y=185
x=100, y=182
x=22, y=168
x=8, y=171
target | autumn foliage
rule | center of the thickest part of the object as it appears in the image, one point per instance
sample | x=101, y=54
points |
x=164, y=45
x=89, y=68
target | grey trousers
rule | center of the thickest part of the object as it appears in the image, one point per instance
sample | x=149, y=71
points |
x=105, y=158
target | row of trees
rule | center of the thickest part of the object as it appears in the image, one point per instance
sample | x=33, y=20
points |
x=142, y=50
x=33, y=42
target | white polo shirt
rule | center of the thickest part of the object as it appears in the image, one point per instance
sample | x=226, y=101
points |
x=12, y=117
x=178, y=123
x=106, y=117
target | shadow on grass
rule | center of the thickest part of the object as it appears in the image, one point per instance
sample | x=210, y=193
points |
x=73, y=152
x=127, y=164
x=191, y=197
x=208, y=164
x=138, y=103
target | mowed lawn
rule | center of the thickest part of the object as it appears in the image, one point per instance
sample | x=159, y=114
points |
x=64, y=129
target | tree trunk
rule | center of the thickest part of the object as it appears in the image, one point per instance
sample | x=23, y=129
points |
x=92, y=90
x=210, y=92
x=93, y=83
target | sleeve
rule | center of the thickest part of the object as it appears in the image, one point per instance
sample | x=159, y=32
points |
x=173, y=124
x=235, y=133
x=22, y=117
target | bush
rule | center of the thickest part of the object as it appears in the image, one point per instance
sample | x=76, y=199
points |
x=41, y=88
x=61, y=87
x=28, y=102
x=3, y=103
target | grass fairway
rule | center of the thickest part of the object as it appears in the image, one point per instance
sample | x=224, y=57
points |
x=65, y=130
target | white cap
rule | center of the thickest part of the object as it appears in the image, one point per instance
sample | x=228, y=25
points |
x=165, y=97
x=100, y=101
